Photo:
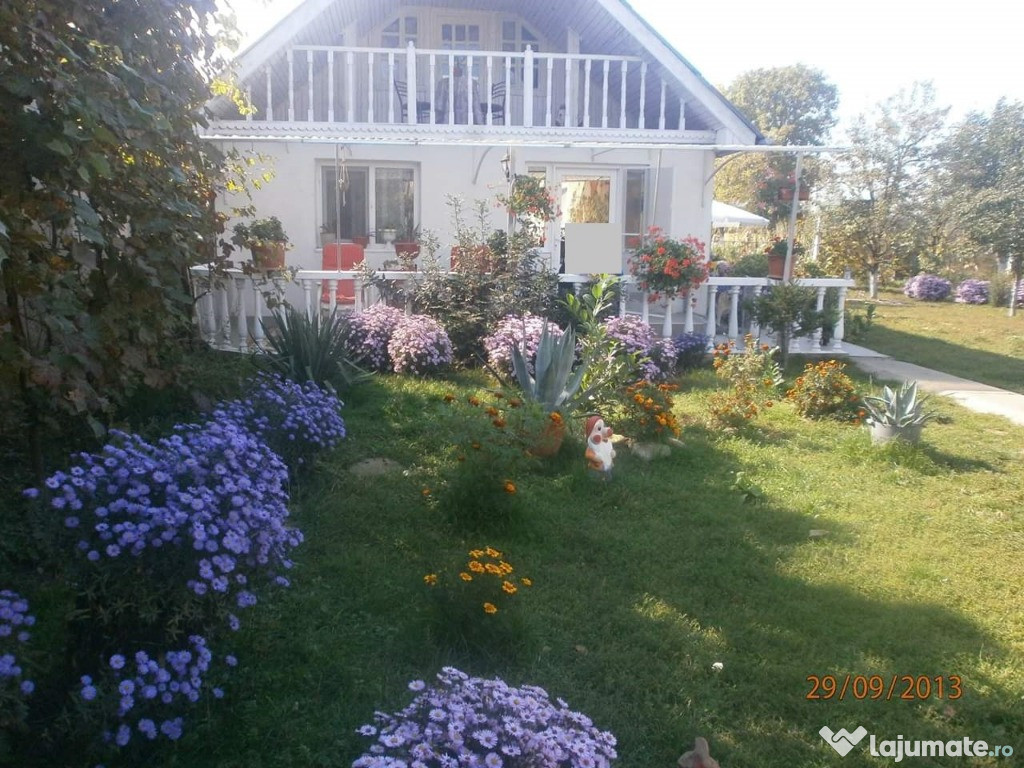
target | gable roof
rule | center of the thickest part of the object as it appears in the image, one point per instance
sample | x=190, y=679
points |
x=600, y=24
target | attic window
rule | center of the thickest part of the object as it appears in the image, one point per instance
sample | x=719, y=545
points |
x=515, y=36
x=400, y=32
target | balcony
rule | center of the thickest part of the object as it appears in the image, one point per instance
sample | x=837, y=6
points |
x=422, y=92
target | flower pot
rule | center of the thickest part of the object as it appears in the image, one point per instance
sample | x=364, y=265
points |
x=548, y=442
x=885, y=433
x=268, y=257
x=786, y=194
x=776, y=266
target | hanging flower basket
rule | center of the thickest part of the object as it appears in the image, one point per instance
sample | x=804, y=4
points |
x=667, y=267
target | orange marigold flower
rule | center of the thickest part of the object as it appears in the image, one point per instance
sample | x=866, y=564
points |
x=499, y=423
x=526, y=582
x=475, y=566
x=509, y=487
x=476, y=446
x=492, y=552
x=490, y=608
x=509, y=587
x=465, y=576
x=556, y=417
x=430, y=579
x=425, y=491
x=505, y=567
x=493, y=569
x=476, y=553
x=473, y=400
x=491, y=411
x=449, y=397
x=515, y=402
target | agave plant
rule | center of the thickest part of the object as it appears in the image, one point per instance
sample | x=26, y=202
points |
x=310, y=349
x=898, y=408
x=555, y=384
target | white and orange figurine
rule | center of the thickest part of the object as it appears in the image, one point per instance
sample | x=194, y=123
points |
x=600, y=451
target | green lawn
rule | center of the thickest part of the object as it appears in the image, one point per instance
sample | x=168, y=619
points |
x=645, y=582
x=980, y=343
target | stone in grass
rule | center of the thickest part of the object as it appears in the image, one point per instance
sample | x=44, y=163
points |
x=650, y=451
x=817, y=533
x=375, y=467
x=699, y=756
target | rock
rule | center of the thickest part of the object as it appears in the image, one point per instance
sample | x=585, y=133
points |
x=650, y=451
x=699, y=756
x=817, y=533
x=375, y=467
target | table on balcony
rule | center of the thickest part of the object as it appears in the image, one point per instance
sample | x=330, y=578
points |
x=460, y=109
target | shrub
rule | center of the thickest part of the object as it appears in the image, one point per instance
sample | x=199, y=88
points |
x=655, y=358
x=474, y=599
x=368, y=334
x=751, y=265
x=473, y=721
x=419, y=345
x=645, y=412
x=690, y=350
x=972, y=292
x=925, y=287
x=295, y=420
x=312, y=349
x=825, y=392
x=513, y=331
x=1000, y=288
x=753, y=376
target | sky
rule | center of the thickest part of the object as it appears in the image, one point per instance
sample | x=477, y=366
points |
x=869, y=49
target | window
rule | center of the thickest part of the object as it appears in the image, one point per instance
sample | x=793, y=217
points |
x=633, y=223
x=460, y=37
x=515, y=36
x=400, y=32
x=368, y=198
x=586, y=199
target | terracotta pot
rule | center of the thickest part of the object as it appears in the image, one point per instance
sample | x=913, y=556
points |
x=776, y=266
x=268, y=257
x=549, y=442
x=786, y=194
x=363, y=240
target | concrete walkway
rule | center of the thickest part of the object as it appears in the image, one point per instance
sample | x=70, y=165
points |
x=970, y=394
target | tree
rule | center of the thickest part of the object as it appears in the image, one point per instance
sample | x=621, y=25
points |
x=984, y=174
x=789, y=105
x=104, y=197
x=880, y=185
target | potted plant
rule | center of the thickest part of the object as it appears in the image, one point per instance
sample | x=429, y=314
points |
x=666, y=267
x=776, y=252
x=266, y=239
x=897, y=413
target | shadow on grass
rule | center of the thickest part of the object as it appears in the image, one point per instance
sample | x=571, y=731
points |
x=995, y=370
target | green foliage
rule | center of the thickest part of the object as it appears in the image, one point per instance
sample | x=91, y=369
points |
x=104, y=196
x=786, y=309
x=260, y=232
x=900, y=407
x=857, y=324
x=305, y=349
x=824, y=391
x=751, y=265
x=753, y=377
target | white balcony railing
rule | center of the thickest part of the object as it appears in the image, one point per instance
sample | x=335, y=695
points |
x=231, y=310
x=485, y=89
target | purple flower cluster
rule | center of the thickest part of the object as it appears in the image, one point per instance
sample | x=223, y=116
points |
x=927, y=287
x=469, y=721
x=656, y=357
x=143, y=694
x=420, y=345
x=511, y=332
x=368, y=333
x=295, y=420
x=972, y=292
x=14, y=623
x=212, y=492
x=690, y=349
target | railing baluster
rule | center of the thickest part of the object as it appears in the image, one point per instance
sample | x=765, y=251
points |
x=508, y=89
x=604, y=103
x=550, y=91
x=734, y=312
x=528, y=87
x=664, y=94
x=257, y=316
x=370, y=95
x=412, y=88
x=688, y=316
x=839, y=331
x=208, y=322
x=819, y=305
x=224, y=340
x=755, y=329
x=309, y=74
x=641, y=117
x=433, y=79
x=451, y=89
x=645, y=307
x=470, y=101
x=330, y=86
x=711, y=325
x=489, y=117
x=270, y=96
x=623, y=67
x=350, y=73
x=666, y=321
x=307, y=297
x=410, y=105
x=568, y=88
x=586, y=93
x=241, y=319
x=291, y=86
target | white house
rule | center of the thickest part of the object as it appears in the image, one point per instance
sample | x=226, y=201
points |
x=374, y=110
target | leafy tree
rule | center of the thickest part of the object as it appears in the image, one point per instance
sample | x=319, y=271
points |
x=105, y=193
x=984, y=175
x=789, y=105
x=881, y=184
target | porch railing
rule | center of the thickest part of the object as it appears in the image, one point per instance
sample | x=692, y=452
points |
x=328, y=84
x=231, y=309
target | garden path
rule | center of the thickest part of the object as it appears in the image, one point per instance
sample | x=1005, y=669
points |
x=970, y=394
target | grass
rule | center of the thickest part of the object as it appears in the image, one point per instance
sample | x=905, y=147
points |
x=980, y=343
x=644, y=582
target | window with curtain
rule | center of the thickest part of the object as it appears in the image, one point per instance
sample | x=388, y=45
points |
x=363, y=198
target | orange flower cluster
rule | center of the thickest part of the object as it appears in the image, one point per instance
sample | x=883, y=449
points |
x=825, y=392
x=666, y=267
x=754, y=377
x=646, y=411
x=487, y=578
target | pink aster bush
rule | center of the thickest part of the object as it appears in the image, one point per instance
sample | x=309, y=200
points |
x=655, y=357
x=925, y=287
x=972, y=292
x=419, y=345
x=368, y=334
x=463, y=720
x=511, y=332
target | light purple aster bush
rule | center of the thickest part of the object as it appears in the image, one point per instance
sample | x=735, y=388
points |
x=656, y=358
x=368, y=333
x=145, y=695
x=470, y=721
x=972, y=292
x=927, y=287
x=295, y=420
x=15, y=621
x=420, y=345
x=691, y=349
x=510, y=332
x=206, y=506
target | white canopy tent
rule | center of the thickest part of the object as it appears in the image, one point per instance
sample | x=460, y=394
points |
x=724, y=215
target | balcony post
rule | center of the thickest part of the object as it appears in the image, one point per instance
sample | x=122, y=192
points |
x=840, y=329
x=412, y=110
